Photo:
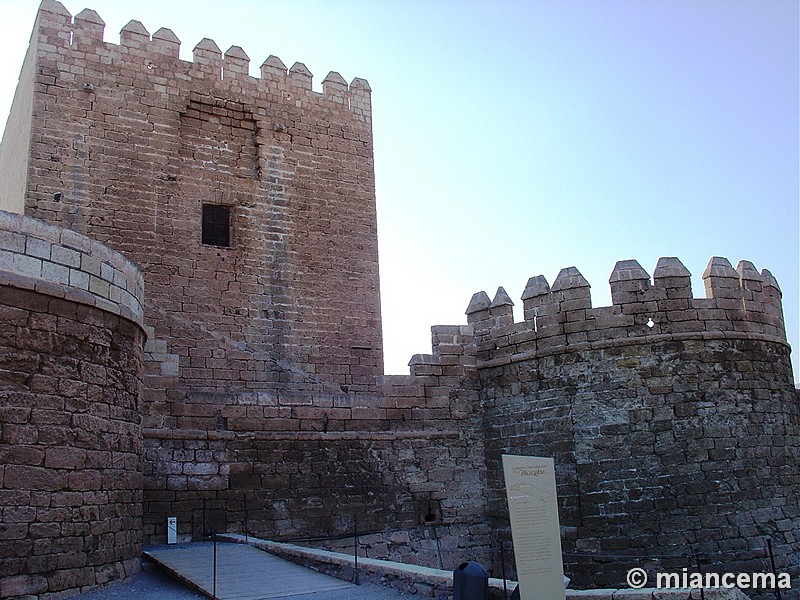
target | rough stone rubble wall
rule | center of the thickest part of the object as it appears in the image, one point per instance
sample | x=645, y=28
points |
x=673, y=420
x=71, y=350
x=263, y=398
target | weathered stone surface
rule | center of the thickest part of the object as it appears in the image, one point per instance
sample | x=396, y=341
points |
x=70, y=385
x=672, y=419
x=480, y=301
x=78, y=497
x=657, y=438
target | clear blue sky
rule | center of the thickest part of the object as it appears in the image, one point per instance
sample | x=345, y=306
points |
x=517, y=138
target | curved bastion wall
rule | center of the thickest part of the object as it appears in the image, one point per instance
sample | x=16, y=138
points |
x=71, y=348
x=673, y=420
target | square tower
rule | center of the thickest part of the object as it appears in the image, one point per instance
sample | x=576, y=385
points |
x=247, y=203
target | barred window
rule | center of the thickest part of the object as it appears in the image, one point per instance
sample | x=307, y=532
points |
x=216, y=225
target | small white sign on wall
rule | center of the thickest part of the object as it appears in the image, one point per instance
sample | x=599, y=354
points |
x=533, y=508
x=172, y=530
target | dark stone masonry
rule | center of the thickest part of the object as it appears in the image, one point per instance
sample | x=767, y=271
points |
x=71, y=364
x=190, y=327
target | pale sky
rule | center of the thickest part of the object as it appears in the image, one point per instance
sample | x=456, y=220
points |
x=516, y=138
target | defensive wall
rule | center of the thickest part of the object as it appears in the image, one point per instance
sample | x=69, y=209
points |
x=262, y=404
x=256, y=358
x=673, y=420
x=129, y=145
x=71, y=354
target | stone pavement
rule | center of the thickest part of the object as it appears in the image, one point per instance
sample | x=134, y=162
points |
x=154, y=584
x=242, y=572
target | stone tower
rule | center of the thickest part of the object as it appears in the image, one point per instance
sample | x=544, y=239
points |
x=190, y=327
x=248, y=203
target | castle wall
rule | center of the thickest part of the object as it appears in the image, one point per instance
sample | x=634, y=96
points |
x=259, y=342
x=71, y=355
x=403, y=468
x=16, y=139
x=129, y=143
x=673, y=420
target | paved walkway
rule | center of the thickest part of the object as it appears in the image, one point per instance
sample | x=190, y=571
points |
x=244, y=572
x=152, y=584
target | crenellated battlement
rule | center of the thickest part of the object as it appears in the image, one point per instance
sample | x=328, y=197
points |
x=739, y=302
x=157, y=56
x=231, y=220
x=652, y=408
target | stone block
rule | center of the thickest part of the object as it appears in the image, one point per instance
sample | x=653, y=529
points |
x=23, y=585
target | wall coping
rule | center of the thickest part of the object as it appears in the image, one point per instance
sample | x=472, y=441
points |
x=64, y=264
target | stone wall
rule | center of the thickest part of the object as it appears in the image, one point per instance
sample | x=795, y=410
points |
x=70, y=384
x=129, y=143
x=404, y=467
x=672, y=420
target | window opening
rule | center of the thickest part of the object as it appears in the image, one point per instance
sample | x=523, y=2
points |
x=216, y=225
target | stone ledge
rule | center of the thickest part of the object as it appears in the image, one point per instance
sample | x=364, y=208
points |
x=62, y=263
x=202, y=434
x=63, y=292
x=423, y=581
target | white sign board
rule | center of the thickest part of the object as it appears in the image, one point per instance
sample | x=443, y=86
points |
x=172, y=530
x=533, y=508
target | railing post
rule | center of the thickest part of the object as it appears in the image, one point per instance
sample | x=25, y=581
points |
x=772, y=564
x=355, y=549
x=503, y=569
x=214, y=576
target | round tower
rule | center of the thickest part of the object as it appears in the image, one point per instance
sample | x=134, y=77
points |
x=673, y=420
x=71, y=348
